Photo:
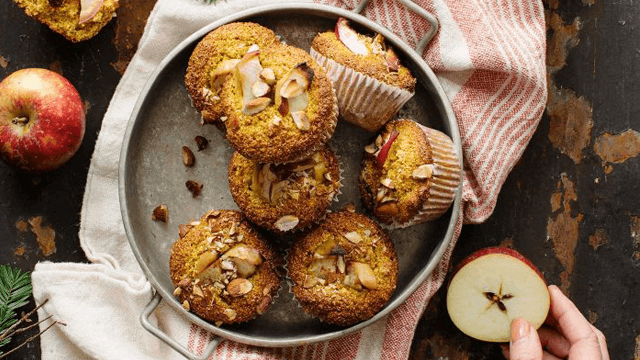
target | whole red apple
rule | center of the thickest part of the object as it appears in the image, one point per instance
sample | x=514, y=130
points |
x=42, y=120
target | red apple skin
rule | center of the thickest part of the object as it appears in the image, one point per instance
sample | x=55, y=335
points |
x=497, y=250
x=42, y=120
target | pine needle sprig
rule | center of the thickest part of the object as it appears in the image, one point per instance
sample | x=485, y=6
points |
x=15, y=289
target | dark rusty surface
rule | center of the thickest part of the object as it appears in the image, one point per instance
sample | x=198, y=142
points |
x=571, y=204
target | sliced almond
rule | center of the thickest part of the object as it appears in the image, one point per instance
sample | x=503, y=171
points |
x=423, y=172
x=230, y=314
x=227, y=265
x=371, y=148
x=353, y=236
x=196, y=290
x=276, y=120
x=255, y=106
x=298, y=103
x=268, y=76
x=206, y=258
x=382, y=192
x=350, y=38
x=278, y=190
x=341, y=264
x=220, y=74
x=260, y=89
x=365, y=274
x=177, y=291
x=301, y=120
x=286, y=223
x=387, y=182
x=188, y=159
x=252, y=256
x=239, y=287
x=185, y=305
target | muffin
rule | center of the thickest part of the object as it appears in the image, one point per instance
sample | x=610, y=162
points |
x=409, y=174
x=345, y=270
x=213, y=59
x=281, y=107
x=223, y=269
x=371, y=85
x=64, y=17
x=285, y=197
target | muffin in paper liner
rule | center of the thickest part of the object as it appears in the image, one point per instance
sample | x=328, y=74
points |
x=294, y=115
x=410, y=174
x=344, y=270
x=363, y=100
x=285, y=198
x=224, y=270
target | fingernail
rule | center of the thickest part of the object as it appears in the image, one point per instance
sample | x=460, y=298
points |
x=519, y=329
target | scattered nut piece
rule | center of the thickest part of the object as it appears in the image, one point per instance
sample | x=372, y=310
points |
x=230, y=313
x=201, y=142
x=276, y=120
x=353, y=236
x=185, y=305
x=371, y=148
x=177, y=291
x=260, y=89
x=387, y=182
x=286, y=223
x=423, y=172
x=238, y=287
x=263, y=306
x=160, y=213
x=341, y=264
x=268, y=76
x=187, y=157
x=256, y=105
x=301, y=120
x=194, y=186
x=197, y=291
x=224, y=118
x=184, y=282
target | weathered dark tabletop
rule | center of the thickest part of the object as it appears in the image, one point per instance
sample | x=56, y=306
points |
x=571, y=204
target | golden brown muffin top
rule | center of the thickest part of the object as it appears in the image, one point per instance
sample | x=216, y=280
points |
x=285, y=197
x=373, y=65
x=345, y=270
x=395, y=186
x=276, y=133
x=63, y=19
x=223, y=270
x=227, y=42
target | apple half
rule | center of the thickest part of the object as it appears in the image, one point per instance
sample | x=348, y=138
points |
x=491, y=288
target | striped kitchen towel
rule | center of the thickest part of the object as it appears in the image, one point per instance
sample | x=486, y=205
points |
x=489, y=56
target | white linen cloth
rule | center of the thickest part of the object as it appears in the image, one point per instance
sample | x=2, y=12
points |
x=489, y=57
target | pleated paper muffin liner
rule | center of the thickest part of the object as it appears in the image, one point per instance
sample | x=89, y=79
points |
x=363, y=100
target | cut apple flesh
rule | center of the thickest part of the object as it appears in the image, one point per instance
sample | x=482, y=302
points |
x=349, y=37
x=492, y=290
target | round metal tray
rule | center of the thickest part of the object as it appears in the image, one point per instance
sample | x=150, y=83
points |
x=151, y=173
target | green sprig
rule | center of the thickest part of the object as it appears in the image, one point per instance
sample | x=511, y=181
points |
x=15, y=289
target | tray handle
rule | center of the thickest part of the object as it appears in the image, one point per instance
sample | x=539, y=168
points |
x=431, y=19
x=144, y=320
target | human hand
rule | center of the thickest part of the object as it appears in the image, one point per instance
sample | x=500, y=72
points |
x=566, y=335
